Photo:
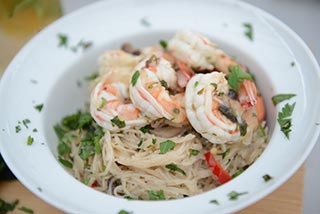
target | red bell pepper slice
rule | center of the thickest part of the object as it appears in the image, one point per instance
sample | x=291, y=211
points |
x=217, y=170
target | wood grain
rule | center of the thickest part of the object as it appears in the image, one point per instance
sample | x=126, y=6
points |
x=285, y=200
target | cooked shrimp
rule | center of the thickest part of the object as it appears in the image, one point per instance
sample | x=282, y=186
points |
x=122, y=61
x=149, y=90
x=194, y=50
x=203, y=108
x=110, y=101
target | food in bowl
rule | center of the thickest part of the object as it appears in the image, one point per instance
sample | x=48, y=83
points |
x=165, y=122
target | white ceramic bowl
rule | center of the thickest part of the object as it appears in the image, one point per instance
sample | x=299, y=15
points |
x=44, y=73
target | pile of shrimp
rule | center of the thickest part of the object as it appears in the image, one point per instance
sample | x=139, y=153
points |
x=181, y=93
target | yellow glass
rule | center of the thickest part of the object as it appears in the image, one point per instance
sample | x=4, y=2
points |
x=20, y=20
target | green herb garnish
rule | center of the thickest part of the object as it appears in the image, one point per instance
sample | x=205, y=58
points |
x=214, y=85
x=267, y=177
x=196, y=84
x=164, y=84
x=194, y=152
x=65, y=163
x=63, y=40
x=293, y=64
x=5, y=207
x=156, y=195
x=63, y=149
x=59, y=131
x=237, y=173
x=215, y=201
x=86, y=149
x=200, y=91
x=281, y=97
x=103, y=103
x=243, y=128
x=26, y=210
x=35, y=130
x=234, y=195
x=39, y=107
x=163, y=44
x=154, y=141
x=236, y=76
x=174, y=167
x=92, y=76
x=135, y=77
x=249, y=30
x=145, y=129
x=26, y=122
x=29, y=140
x=124, y=212
x=284, y=119
x=225, y=153
x=116, y=121
x=167, y=146
x=18, y=128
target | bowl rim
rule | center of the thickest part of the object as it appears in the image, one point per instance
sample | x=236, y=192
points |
x=237, y=206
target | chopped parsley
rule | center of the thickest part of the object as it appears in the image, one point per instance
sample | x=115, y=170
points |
x=164, y=84
x=35, y=130
x=234, y=195
x=65, y=163
x=145, y=22
x=7, y=206
x=26, y=210
x=196, y=84
x=248, y=31
x=92, y=76
x=124, y=212
x=63, y=40
x=154, y=141
x=293, y=64
x=200, y=91
x=236, y=76
x=26, y=122
x=135, y=77
x=140, y=144
x=243, y=128
x=214, y=85
x=284, y=118
x=166, y=146
x=176, y=111
x=281, y=97
x=116, y=121
x=156, y=195
x=18, y=128
x=237, y=173
x=225, y=153
x=63, y=148
x=267, y=177
x=163, y=44
x=174, y=167
x=29, y=140
x=103, y=103
x=215, y=201
x=39, y=107
x=145, y=129
x=194, y=152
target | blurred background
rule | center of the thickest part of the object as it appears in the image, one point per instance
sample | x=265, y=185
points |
x=21, y=19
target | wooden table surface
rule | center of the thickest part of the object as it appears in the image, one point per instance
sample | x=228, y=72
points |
x=285, y=200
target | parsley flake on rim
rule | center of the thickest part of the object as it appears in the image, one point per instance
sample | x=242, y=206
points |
x=116, y=121
x=215, y=201
x=281, y=97
x=29, y=140
x=249, y=30
x=135, y=77
x=26, y=122
x=39, y=107
x=63, y=40
x=284, y=118
x=236, y=76
x=163, y=44
x=92, y=76
x=166, y=146
x=124, y=212
x=234, y=195
x=18, y=128
x=267, y=177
